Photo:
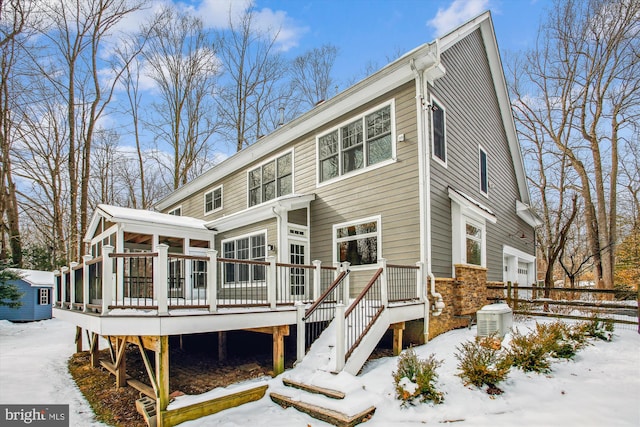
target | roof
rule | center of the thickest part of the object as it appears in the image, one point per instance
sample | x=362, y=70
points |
x=141, y=216
x=396, y=73
x=35, y=277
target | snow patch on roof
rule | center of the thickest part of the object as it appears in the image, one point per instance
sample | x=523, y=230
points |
x=35, y=277
x=120, y=214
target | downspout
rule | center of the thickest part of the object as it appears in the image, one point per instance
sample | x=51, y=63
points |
x=425, y=179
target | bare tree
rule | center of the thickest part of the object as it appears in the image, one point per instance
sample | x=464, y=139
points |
x=311, y=75
x=584, y=74
x=77, y=33
x=252, y=71
x=184, y=67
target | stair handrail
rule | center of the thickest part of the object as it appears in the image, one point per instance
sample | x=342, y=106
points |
x=336, y=282
x=356, y=302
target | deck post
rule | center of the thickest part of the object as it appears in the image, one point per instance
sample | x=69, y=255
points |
x=72, y=284
x=121, y=362
x=162, y=377
x=222, y=346
x=346, y=284
x=279, y=332
x=94, y=348
x=160, y=281
x=420, y=281
x=317, y=278
x=78, y=339
x=384, y=283
x=212, y=276
x=272, y=278
x=107, y=278
x=85, y=281
x=57, y=280
x=340, y=337
x=398, y=329
x=300, y=331
x=63, y=285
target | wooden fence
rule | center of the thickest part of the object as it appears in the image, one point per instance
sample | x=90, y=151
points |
x=568, y=303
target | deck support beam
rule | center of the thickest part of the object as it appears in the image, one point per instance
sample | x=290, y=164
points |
x=222, y=346
x=278, y=333
x=162, y=376
x=94, y=348
x=398, y=328
x=121, y=362
x=78, y=339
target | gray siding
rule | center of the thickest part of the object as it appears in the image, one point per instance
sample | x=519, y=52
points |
x=30, y=309
x=472, y=120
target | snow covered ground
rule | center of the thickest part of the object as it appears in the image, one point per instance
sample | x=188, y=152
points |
x=601, y=387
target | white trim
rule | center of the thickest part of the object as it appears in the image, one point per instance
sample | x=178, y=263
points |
x=527, y=214
x=273, y=158
x=254, y=283
x=486, y=157
x=171, y=211
x=366, y=168
x=204, y=197
x=510, y=250
x=471, y=207
x=378, y=220
x=432, y=100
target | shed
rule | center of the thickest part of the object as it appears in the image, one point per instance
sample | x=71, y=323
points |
x=36, y=288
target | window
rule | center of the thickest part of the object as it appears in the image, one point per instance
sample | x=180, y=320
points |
x=199, y=274
x=473, y=241
x=438, y=128
x=484, y=179
x=270, y=180
x=358, y=243
x=177, y=211
x=213, y=200
x=245, y=248
x=357, y=145
x=44, y=296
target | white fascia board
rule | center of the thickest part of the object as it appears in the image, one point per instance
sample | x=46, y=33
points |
x=93, y=225
x=260, y=213
x=165, y=230
x=470, y=205
x=527, y=214
x=389, y=77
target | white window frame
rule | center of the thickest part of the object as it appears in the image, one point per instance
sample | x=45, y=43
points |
x=44, y=294
x=259, y=283
x=212, y=192
x=435, y=103
x=486, y=166
x=177, y=209
x=273, y=159
x=366, y=168
x=378, y=234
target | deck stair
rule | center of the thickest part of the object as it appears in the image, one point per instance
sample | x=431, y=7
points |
x=147, y=408
x=316, y=401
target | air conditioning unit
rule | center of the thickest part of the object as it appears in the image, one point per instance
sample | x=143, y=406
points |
x=494, y=319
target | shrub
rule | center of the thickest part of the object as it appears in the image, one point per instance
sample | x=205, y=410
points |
x=482, y=362
x=415, y=378
x=529, y=352
x=560, y=340
x=598, y=328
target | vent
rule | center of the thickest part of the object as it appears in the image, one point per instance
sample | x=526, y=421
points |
x=494, y=319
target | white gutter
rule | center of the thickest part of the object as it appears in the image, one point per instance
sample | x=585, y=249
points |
x=425, y=183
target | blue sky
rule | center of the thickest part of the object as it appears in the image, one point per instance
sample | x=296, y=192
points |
x=369, y=31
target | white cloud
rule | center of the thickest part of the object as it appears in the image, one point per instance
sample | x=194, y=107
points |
x=458, y=12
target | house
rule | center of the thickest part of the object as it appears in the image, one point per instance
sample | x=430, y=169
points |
x=393, y=203
x=36, y=288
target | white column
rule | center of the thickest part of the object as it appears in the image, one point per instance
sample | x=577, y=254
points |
x=72, y=284
x=63, y=285
x=384, y=284
x=317, y=279
x=346, y=284
x=212, y=280
x=340, y=337
x=420, y=281
x=272, y=278
x=56, y=274
x=160, y=282
x=85, y=281
x=300, y=335
x=107, y=278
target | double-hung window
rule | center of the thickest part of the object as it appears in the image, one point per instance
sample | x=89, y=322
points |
x=271, y=180
x=439, y=146
x=356, y=145
x=213, y=200
x=252, y=248
x=358, y=242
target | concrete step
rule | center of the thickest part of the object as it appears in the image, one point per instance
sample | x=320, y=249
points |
x=333, y=394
